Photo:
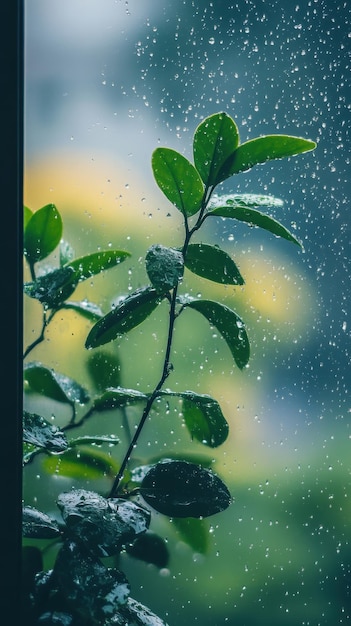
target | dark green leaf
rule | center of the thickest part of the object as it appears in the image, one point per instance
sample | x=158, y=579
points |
x=181, y=489
x=92, y=264
x=82, y=463
x=165, y=267
x=194, y=533
x=178, y=179
x=104, y=369
x=264, y=149
x=86, y=309
x=54, y=385
x=37, y=431
x=53, y=288
x=38, y=525
x=229, y=324
x=43, y=233
x=255, y=218
x=150, y=548
x=27, y=215
x=117, y=397
x=87, y=585
x=131, y=312
x=204, y=419
x=212, y=263
x=215, y=140
x=103, y=525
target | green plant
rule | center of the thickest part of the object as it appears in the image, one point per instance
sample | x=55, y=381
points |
x=97, y=527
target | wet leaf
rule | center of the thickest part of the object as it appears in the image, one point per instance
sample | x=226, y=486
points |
x=264, y=149
x=212, y=263
x=37, y=431
x=53, y=288
x=253, y=217
x=215, y=140
x=245, y=200
x=178, y=179
x=103, y=525
x=87, y=266
x=38, y=525
x=42, y=233
x=229, y=324
x=136, y=614
x=204, y=419
x=87, y=585
x=165, y=267
x=194, y=533
x=82, y=463
x=116, y=397
x=104, y=369
x=181, y=489
x=86, y=309
x=150, y=548
x=131, y=312
x=54, y=385
x=66, y=252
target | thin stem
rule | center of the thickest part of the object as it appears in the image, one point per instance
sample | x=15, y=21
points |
x=39, y=339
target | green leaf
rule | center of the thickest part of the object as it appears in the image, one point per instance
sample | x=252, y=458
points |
x=96, y=440
x=38, y=432
x=117, y=397
x=53, y=288
x=215, y=140
x=255, y=218
x=104, y=370
x=54, y=385
x=149, y=548
x=194, y=533
x=212, y=263
x=38, y=525
x=229, y=324
x=27, y=215
x=246, y=200
x=165, y=267
x=181, y=489
x=82, y=463
x=43, y=233
x=204, y=419
x=264, y=149
x=87, y=266
x=131, y=312
x=178, y=179
x=86, y=309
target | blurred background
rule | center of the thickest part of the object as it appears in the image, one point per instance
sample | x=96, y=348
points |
x=105, y=84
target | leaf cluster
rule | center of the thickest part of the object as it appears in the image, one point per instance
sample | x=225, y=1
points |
x=185, y=489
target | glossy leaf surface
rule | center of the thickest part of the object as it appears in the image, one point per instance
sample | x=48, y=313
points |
x=262, y=149
x=164, y=266
x=178, y=179
x=136, y=614
x=117, y=397
x=255, y=218
x=92, y=264
x=89, y=310
x=43, y=233
x=38, y=525
x=215, y=140
x=150, y=548
x=204, y=419
x=131, y=312
x=181, y=489
x=103, y=525
x=54, y=385
x=37, y=431
x=212, y=263
x=229, y=324
x=246, y=200
x=53, y=288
